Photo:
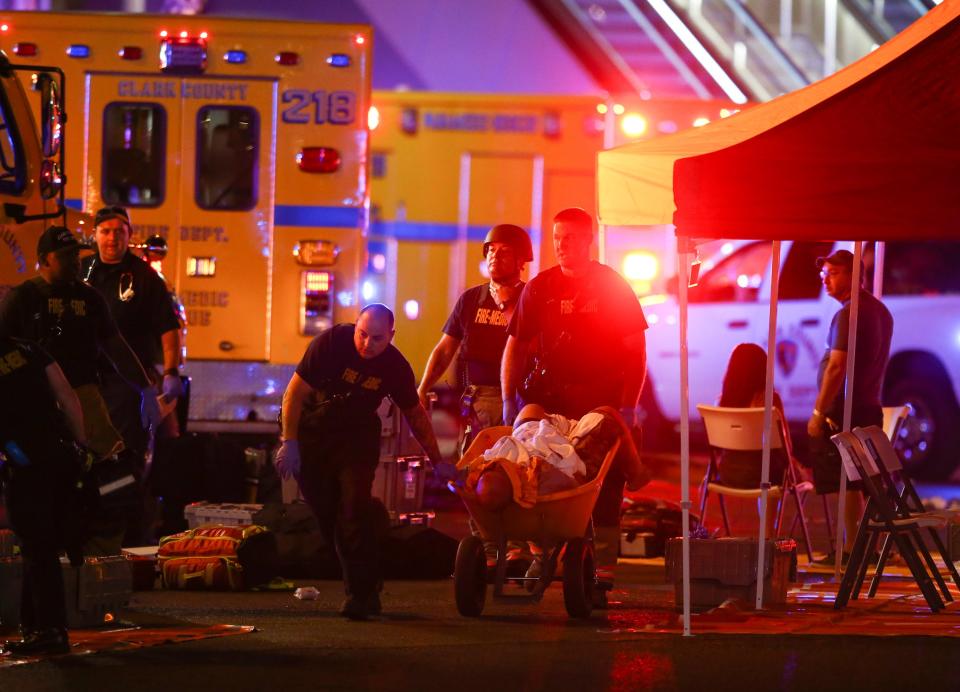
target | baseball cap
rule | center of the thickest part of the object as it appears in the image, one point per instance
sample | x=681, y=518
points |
x=56, y=238
x=838, y=258
x=107, y=213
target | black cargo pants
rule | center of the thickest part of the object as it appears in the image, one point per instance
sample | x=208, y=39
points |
x=42, y=504
x=338, y=464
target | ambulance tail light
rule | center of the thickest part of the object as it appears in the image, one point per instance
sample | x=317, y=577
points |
x=316, y=302
x=318, y=160
x=25, y=50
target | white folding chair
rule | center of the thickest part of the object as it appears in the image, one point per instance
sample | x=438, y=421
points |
x=881, y=450
x=883, y=514
x=741, y=429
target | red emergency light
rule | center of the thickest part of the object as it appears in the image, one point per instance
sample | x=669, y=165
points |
x=130, y=53
x=318, y=159
x=288, y=58
x=26, y=50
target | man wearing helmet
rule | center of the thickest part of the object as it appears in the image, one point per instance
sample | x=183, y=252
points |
x=477, y=327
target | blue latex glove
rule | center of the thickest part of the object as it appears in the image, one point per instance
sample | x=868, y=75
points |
x=287, y=461
x=172, y=387
x=149, y=408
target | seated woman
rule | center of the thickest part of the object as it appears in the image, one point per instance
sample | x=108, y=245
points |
x=743, y=387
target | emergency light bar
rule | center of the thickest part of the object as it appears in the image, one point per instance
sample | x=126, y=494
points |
x=183, y=54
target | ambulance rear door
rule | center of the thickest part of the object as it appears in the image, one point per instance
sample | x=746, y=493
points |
x=192, y=158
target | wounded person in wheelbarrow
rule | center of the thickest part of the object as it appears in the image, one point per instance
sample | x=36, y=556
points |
x=549, y=453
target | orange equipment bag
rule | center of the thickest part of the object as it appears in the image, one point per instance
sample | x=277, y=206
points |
x=205, y=557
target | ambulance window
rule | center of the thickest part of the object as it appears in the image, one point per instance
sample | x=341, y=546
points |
x=800, y=278
x=11, y=156
x=737, y=278
x=928, y=268
x=227, y=149
x=134, y=154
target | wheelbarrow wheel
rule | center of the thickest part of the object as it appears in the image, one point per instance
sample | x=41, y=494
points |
x=470, y=577
x=578, y=578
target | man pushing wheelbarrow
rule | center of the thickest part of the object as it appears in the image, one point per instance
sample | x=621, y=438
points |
x=584, y=327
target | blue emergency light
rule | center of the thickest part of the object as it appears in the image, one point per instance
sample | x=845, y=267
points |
x=235, y=57
x=78, y=50
x=339, y=60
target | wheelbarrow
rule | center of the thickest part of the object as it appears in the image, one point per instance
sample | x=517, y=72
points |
x=560, y=523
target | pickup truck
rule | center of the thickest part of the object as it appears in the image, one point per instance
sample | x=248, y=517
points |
x=730, y=305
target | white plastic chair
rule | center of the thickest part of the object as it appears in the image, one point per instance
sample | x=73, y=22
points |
x=741, y=429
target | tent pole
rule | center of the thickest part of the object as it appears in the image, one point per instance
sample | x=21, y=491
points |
x=684, y=247
x=879, y=257
x=848, y=392
x=768, y=419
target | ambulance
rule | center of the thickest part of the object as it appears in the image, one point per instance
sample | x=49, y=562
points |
x=445, y=167
x=31, y=182
x=244, y=144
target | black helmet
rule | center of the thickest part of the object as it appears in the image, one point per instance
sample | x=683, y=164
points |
x=511, y=235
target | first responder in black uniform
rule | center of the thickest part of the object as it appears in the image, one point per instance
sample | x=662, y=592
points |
x=329, y=420
x=142, y=307
x=143, y=310
x=40, y=471
x=477, y=327
x=72, y=322
x=586, y=326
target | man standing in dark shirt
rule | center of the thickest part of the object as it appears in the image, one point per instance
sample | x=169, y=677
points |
x=72, y=322
x=330, y=422
x=874, y=332
x=586, y=327
x=143, y=310
x=40, y=475
x=477, y=327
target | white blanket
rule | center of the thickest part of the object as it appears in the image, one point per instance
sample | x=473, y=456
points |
x=552, y=439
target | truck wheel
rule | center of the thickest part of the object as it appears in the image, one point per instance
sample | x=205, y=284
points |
x=928, y=437
x=578, y=577
x=470, y=577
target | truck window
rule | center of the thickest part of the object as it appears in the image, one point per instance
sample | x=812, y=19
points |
x=800, y=278
x=227, y=155
x=11, y=156
x=134, y=154
x=736, y=278
x=928, y=268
